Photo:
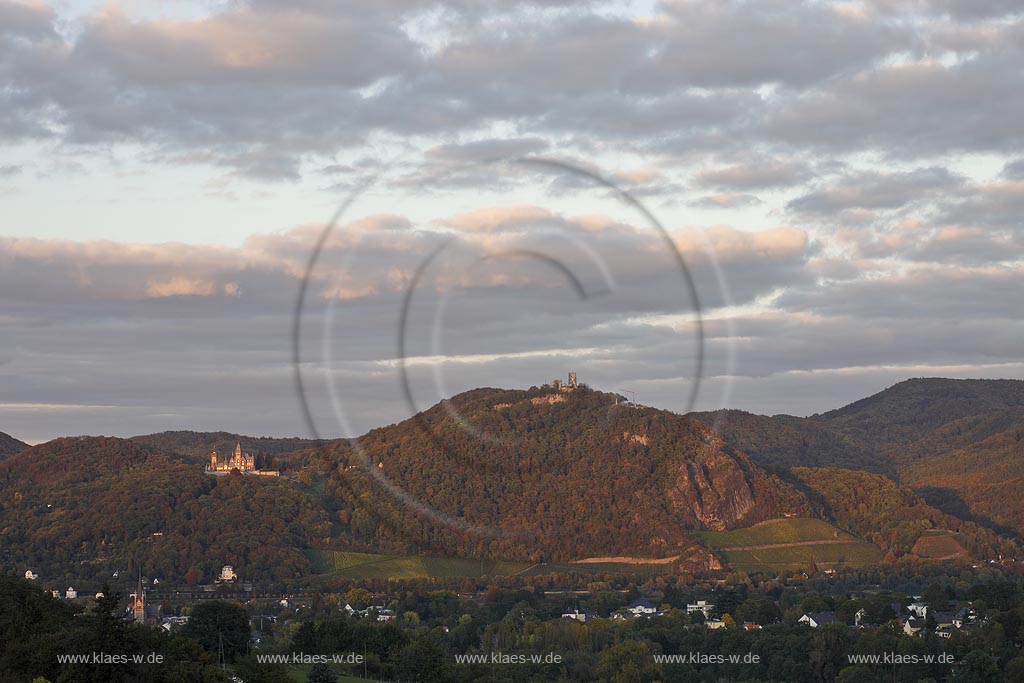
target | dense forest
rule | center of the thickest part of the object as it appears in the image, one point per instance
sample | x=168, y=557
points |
x=533, y=475
x=957, y=443
x=549, y=475
x=892, y=517
x=88, y=506
x=783, y=441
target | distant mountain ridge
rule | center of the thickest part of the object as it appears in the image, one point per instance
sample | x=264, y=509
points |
x=958, y=442
x=9, y=445
x=538, y=475
x=198, y=445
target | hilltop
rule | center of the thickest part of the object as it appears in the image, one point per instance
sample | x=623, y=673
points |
x=909, y=410
x=565, y=475
x=9, y=445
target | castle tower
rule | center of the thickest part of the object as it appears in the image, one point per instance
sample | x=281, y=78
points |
x=213, y=461
x=572, y=380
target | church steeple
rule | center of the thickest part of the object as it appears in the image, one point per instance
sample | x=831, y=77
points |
x=139, y=606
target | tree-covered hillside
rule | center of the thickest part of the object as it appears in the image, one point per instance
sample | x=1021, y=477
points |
x=528, y=475
x=197, y=445
x=957, y=443
x=780, y=442
x=9, y=445
x=88, y=506
x=892, y=517
x=909, y=411
x=561, y=476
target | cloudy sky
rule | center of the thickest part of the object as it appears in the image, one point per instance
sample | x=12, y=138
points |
x=795, y=203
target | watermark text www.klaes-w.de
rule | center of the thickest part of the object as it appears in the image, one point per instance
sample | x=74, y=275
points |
x=111, y=658
x=898, y=658
x=307, y=658
x=706, y=658
x=499, y=657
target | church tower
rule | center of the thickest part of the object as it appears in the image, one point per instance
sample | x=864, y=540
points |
x=139, y=605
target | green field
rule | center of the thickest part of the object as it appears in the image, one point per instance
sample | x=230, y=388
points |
x=352, y=565
x=773, y=531
x=818, y=542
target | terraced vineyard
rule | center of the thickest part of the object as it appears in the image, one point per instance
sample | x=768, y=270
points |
x=781, y=544
x=938, y=544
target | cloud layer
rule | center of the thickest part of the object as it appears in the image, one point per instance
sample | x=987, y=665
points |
x=843, y=183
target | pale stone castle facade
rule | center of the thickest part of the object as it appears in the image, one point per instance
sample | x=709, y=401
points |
x=243, y=462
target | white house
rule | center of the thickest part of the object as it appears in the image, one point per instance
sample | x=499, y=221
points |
x=579, y=616
x=31, y=575
x=642, y=608
x=227, y=573
x=71, y=593
x=714, y=623
x=818, y=619
x=701, y=606
x=918, y=609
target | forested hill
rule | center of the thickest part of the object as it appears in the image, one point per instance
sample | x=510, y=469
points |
x=783, y=441
x=533, y=475
x=957, y=443
x=567, y=475
x=84, y=507
x=197, y=445
x=9, y=445
x=549, y=475
x=910, y=410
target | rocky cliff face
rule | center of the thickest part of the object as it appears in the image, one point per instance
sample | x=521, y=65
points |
x=719, y=488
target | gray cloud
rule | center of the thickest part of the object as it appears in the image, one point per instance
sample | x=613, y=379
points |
x=877, y=190
x=168, y=331
x=844, y=123
x=755, y=174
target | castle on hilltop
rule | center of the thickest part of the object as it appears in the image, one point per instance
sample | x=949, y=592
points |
x=243, y=462
x=568, y=386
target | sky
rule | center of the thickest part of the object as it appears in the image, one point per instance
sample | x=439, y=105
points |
x=773, y=205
